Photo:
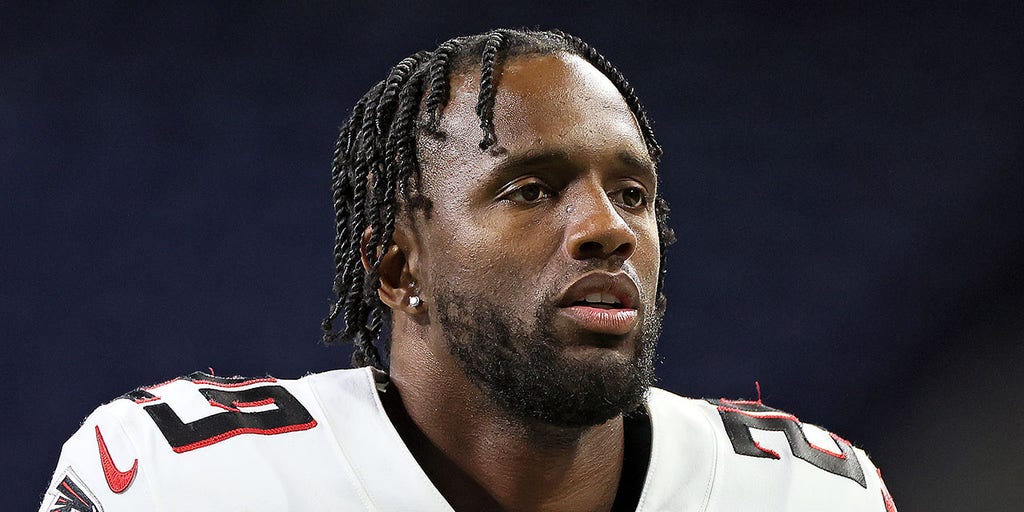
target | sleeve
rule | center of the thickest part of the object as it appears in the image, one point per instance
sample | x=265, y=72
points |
x=828, y=450
x=874, y=476
x=772, y=459
x=100, y=469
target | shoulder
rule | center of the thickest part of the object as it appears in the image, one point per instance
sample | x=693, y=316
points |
x=754, y=456
x=158, y=444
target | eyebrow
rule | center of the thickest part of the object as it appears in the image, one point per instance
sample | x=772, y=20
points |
x=530, y=159
x=642, y=164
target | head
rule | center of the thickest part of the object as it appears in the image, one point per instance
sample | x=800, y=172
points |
x=505, y=180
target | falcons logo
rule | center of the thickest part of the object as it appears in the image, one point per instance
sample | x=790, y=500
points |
x=71, y=495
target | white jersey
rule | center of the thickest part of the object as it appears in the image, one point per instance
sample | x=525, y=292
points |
x=324, y=442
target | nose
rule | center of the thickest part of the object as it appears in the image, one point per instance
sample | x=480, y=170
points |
x=596, y=230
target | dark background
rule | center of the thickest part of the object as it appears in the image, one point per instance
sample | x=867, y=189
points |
x=846, y=182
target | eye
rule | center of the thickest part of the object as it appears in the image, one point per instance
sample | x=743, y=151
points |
x=529, y=193
x=631, y=197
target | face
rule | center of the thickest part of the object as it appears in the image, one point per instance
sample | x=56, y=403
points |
x=540, y=257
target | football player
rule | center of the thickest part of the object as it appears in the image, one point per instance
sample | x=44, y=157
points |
x=500, y=262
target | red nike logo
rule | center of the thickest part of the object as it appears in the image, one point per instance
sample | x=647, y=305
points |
x=117, y=480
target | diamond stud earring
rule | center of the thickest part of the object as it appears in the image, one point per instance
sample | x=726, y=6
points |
x=415, y=301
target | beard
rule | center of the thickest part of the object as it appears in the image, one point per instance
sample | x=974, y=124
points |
x=522, y=367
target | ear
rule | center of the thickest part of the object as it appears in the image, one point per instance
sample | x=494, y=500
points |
x=397, y=276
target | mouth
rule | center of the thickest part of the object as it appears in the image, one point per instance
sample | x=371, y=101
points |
x=601, y=302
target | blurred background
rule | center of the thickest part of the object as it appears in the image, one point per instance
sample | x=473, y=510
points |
x=847, y=183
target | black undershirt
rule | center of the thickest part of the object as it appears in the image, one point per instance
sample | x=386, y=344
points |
x=635, y=459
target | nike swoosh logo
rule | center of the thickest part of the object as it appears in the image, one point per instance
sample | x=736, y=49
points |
x=117, y=480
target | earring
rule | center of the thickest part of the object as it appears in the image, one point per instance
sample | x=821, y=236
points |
x=414, y=300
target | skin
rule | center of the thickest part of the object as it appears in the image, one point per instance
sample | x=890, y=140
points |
x=519, y=231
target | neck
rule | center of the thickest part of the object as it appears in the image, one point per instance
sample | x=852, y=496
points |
x=477, y=456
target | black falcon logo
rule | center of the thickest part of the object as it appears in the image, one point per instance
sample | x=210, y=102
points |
x=71, y=495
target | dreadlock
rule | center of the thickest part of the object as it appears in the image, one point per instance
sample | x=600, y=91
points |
x=375, y=161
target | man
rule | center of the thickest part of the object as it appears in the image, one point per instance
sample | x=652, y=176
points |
x=498, y=211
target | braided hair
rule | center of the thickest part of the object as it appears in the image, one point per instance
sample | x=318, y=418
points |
x=375, y=163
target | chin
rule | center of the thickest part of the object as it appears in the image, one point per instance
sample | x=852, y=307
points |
x=545, y=371
x=603, y=353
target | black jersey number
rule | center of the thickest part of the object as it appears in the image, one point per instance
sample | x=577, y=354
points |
x=267, y=410
x=738, y=422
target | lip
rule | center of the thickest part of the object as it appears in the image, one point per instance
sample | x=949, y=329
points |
x=604, y=321
x=616, y=321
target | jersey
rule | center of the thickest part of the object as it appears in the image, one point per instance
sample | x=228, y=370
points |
x=324, y=442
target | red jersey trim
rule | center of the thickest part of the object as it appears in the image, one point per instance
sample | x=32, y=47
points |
x=238, y=431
